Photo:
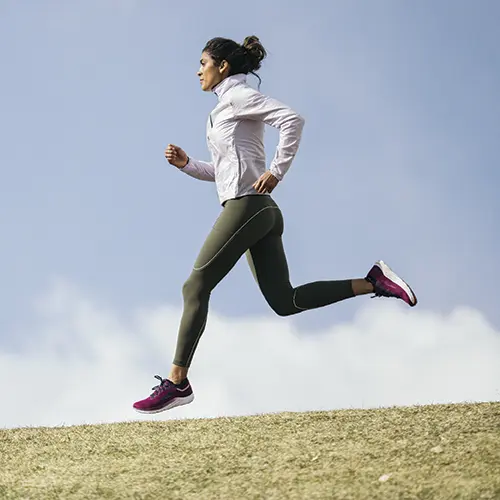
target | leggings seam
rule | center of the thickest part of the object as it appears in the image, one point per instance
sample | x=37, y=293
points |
x=230, y=239
x=295, y=303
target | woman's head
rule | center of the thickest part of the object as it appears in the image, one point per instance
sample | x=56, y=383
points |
x=222, y=57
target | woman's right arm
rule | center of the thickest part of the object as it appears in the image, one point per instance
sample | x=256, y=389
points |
x=198, y=169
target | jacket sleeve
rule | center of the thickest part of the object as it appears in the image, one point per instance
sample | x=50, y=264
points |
x=201, y=170
x=253, y=105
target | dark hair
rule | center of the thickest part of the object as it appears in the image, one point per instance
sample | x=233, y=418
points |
x=245, y=58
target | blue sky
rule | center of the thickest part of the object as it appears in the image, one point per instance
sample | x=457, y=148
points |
x=398, y=158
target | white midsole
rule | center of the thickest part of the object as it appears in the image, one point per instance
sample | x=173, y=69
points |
x=175, y=402
x=389, y=273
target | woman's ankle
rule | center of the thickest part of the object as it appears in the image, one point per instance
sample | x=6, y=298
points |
x=361, y=286
x=178, y=374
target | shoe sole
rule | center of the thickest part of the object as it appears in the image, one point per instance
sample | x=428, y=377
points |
x=389, y=273
x=173, y=404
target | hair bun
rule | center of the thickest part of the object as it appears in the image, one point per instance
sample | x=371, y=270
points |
x=255, y=50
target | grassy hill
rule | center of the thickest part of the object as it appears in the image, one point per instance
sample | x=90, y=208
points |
x=424, y=452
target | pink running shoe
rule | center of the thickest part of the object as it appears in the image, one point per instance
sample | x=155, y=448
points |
x=387, y=283
x=165, y=396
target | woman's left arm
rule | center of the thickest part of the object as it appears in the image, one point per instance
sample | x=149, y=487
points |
x=253, y=105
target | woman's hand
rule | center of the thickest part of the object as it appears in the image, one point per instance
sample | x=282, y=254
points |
x=266, y=183
x=176, y=156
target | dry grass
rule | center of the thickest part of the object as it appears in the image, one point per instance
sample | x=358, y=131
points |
x=430, y=452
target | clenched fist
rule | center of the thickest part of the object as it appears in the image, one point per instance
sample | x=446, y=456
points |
x=176, y=156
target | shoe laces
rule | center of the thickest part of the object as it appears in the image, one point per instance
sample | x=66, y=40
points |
x=164, y=383
x=378, y=291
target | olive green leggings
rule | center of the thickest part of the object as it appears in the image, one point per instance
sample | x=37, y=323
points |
x=252, y=225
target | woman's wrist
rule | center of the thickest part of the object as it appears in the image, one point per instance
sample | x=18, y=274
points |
x=187, y=161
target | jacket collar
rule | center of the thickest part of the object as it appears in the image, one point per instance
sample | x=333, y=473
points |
x=221, y=88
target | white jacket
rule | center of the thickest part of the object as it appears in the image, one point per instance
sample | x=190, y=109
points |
x=235, y=138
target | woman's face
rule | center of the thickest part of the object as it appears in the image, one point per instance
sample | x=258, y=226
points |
x=210, y=74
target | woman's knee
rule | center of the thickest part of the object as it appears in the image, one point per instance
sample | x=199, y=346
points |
x=194, y=287
x=280, y=299
x=282, y=307
x=284, y=310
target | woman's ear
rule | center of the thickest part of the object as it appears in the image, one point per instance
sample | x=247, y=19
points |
x=223, y=67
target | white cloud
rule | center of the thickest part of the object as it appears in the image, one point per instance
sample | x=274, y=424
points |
x=86, y=364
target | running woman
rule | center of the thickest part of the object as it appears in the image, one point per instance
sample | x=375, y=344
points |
x=250, y=222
